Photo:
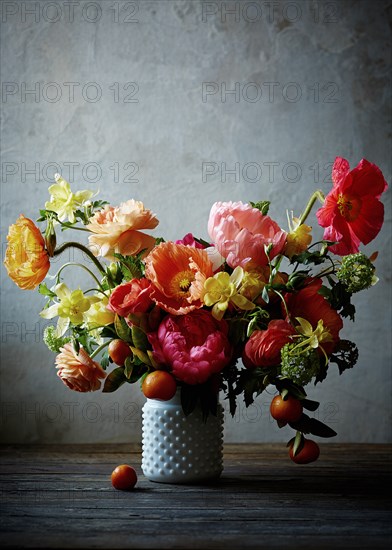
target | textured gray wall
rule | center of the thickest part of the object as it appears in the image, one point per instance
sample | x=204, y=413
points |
x=132, y=98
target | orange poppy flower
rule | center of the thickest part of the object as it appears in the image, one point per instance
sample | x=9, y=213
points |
x=26, y=259
x=177, y=273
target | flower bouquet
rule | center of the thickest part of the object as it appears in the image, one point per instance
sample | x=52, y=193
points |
x=253, y=306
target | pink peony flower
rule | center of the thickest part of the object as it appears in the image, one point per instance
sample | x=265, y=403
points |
x=77, y=370
x=131, y=297
x=240, y=232
x=195, y=346
x=263, y=347
x=352, y=212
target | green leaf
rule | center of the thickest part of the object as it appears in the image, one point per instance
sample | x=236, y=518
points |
x=345, y=355
x=265, y=295
x=311, y=425
x=45, y=291
x=139, y=338
x=310, y=405
x=141, y=355
x=298, y=443
x=104, y=362
x=128, y=367
x=114, y=380
x=122, y=329
x=263, y=206
x=189, y=399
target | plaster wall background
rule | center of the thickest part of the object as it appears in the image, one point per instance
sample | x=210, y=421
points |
x=180, y=104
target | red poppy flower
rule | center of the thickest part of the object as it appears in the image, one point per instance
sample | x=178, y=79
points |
x=352, y=213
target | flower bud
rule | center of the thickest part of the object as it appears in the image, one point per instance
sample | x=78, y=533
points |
x=50, y=238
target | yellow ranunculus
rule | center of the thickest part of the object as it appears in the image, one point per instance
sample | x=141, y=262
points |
x=63, y=201
x=26, y=259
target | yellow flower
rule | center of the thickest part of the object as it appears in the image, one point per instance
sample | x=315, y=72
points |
x=71, y=308
x=98, y=315
x=253, y=283
x=313, y=338
x=298, y=238
x=26, y=260
x=221, y=289
x=63, y=201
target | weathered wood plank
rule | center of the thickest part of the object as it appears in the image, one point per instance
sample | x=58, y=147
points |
x=61, y=497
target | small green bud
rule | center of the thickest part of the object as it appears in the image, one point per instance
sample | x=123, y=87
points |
x=50, y=238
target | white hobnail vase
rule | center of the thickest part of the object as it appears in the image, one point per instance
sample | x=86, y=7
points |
x=178, y=448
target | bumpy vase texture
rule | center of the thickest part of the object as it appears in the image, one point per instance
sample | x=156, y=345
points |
x=179, y=448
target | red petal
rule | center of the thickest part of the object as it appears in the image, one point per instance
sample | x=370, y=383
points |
x=367, y=179
x=341, y=231
x=326, y=214
x=340, y=170
x=369, y=222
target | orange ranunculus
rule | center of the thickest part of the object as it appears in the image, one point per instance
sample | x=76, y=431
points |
x=177, y=273
x=117, y=230
x=77, y=370
x=26, y=259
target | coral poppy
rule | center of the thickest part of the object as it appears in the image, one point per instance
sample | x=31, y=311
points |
x=26, y=260
x=178, y=273
x=117, y=230
x=352, y=213
x=308, y=304
x=240, y=233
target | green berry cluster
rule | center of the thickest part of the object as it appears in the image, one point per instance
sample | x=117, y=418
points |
x=53, y=342
x=298, y=364
x=356, y=272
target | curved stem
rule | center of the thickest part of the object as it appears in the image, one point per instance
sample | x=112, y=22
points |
x=86, y=269
x=96, y=290
x=71, y=226
x=316, y=195
x=99, y=348
x=72, y=244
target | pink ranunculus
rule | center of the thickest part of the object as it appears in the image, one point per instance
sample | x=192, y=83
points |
x=77, y=370
x=131, y=297
x=195, y=346
x=263, y=347
x=240, y=232
x=189, y=240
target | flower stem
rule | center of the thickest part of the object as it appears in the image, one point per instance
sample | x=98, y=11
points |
x=86, y=269
x=316, y=195
x=73, y=244
x=99, y=348
x=98, y=265
x=72, y=226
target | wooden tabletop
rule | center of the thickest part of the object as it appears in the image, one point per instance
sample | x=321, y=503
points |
x=61, y=497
